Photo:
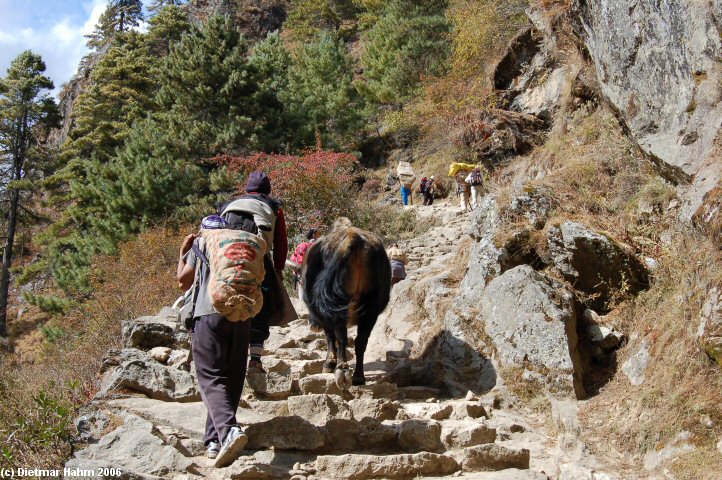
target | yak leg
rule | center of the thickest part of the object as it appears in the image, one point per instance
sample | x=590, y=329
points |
x=331, y=356
x=362, y=340
x=343, y=373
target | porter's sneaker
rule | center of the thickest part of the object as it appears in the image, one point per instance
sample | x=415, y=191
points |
x=231, y=448
x=213, y=449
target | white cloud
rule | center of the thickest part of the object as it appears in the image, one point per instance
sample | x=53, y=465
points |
x=62, y=45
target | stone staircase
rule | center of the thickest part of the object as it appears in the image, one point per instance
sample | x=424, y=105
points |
x=148, y=421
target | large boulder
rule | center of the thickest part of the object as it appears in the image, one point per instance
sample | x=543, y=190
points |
x=657, y=63
x=134, y=450
x=149, y=332
x=154, y=380
x=710, y=325
x=532, y=321
x=595, y=263
x=358, y=467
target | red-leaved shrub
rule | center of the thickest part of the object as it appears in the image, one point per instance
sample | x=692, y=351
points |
x=315, y=187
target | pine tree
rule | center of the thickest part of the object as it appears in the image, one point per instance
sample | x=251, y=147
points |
x=321, y=93
x=146, y=180
x=157, y=6
x=166, y=28
x=308, y=17
x=209, y=93
x=26, y=114
x=118, y=17
x=410, y=40
x=120, y=93
x=271, y=62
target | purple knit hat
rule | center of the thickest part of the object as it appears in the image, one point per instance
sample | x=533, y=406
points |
x=258, y=182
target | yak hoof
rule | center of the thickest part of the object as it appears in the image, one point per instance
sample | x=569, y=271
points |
x=358, y=380
x=329, y=367
x=343, y=378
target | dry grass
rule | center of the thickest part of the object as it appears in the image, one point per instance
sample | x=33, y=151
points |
x=682, y=386
x=40, y=399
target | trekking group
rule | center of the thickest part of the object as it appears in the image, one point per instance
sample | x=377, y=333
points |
x=232, y=273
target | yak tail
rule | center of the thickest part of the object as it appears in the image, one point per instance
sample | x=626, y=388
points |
x=330, y=298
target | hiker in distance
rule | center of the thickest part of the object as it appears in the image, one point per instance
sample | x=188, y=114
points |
x=476, y=180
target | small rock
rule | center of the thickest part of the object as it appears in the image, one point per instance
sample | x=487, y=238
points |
x=493, y=457
x=243, y=471
x=179, y=359
x=360, y=467
x=465, y=436
x=420, y=435
x=92, y=426
x=441, y=413
x=272, y=409
x=420, y=393
x=381, y=390
x=297, y=466
x=319, y=408
x=321, y=383
x=284, y=433
x=471, y=396
x=468, y=409
x=160, y=354
x=154, y=380
x=379, y=409
x=297, y=354
x=636, y=365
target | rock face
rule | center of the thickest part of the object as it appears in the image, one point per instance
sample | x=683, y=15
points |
x=134, y=450
x=658, y=64
x=594, y=263
x=710, y=325
x=254, y=18
x=153, y=379
x=531, y=320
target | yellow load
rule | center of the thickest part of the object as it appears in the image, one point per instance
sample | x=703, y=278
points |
x=455, y=168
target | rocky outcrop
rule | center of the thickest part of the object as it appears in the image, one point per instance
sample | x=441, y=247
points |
x=658, y=64
x=595, y=264
x=133, y=450
x=254, y=18
x=532, y=321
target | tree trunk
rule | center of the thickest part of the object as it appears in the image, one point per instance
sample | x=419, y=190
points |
x=18, y=160
x=7, y=261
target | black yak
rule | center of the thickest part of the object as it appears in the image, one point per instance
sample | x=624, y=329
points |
x=347, y=281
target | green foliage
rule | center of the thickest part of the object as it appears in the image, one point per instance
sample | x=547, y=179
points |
x=41, y=424
x=48, y=303
x=120, y=16
x=321, y=93
x=209, y=96
x=121, y=92
x=166, y=28
x=52, y=333
x=271, y=61
x=157, y=7
x=308, y=17
x=409, y=41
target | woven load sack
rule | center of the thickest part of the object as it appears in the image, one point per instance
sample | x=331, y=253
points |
x=236, y=263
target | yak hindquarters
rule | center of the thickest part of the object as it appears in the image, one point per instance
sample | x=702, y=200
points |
x=347, y=280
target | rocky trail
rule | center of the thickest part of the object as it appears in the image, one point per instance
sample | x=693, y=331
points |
x=433, y=406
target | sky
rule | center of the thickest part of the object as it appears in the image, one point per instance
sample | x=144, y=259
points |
x=53, y=28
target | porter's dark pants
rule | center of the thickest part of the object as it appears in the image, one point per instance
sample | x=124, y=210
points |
x=220, y=353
